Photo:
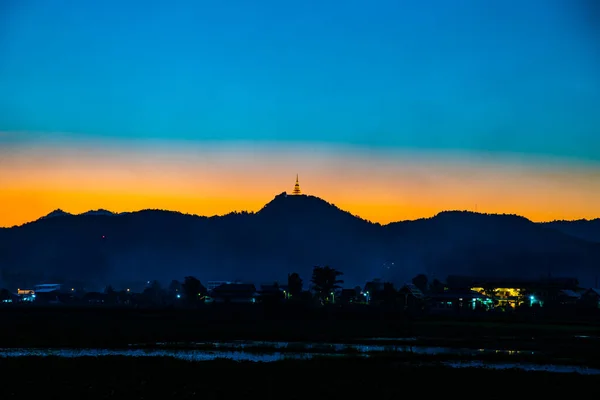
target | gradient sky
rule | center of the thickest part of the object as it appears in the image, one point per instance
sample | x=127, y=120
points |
x=390, y=109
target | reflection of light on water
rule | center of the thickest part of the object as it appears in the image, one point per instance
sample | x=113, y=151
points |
x=203, y=355
x=189, y=355
x=525, y=367
x=347, y=347
x=234, y=349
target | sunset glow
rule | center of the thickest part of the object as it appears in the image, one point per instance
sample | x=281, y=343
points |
x=215, y=179
x=391, y=110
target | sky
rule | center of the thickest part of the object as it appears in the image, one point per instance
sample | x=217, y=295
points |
x=392, y=110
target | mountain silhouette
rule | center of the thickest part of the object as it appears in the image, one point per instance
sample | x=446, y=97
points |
x=583, y=228
x=98, y=212
x=289, y=234
x=56, y=213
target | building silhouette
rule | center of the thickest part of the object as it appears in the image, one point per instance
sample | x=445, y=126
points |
x=297, y=187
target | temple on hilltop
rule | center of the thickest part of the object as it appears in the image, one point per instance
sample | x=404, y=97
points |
x=297, y=187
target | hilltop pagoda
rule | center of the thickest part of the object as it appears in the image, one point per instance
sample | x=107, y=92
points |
x=297, y=190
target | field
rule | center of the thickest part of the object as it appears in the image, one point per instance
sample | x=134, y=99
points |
x=114, y=327
x=136, y=378
x=548, y=341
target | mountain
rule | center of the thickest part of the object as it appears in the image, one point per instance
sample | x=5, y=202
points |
x=583, y=228
x=56, y=213
x=289, y=234
x=99, y=212
x=61, y=213
x=501, y=245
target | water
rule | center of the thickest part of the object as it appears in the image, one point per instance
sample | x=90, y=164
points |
x=565, y=369
x=242, y=353
x=187, y=355
x=344, y=348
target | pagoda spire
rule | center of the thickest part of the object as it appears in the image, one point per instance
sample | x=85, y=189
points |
x=297, y=187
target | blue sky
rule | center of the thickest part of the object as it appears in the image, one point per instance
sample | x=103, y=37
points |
x=493, y=76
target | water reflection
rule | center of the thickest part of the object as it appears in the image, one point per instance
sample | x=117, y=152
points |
x=188, y=355
x=311, y=347
x=205, y=355
x=567, y=369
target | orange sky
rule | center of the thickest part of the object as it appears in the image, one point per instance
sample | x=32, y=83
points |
x=217, y=179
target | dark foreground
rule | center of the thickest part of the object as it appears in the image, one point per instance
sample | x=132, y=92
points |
x=166, y=378
x=106, y=327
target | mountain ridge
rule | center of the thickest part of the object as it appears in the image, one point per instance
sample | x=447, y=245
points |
x=289, y=234
x=60, y=213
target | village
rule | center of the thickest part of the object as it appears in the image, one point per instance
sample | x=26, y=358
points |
x=456, y=294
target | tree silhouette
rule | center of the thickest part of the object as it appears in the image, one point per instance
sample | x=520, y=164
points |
x=294, y=285
x=420, y=281
x=193, y=290
x=111, y=296
x=389, y=294
x=175, y=288
x=154, y=293
x=325, y=281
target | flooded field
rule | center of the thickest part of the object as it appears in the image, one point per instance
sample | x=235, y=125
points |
x=402, y=346
x=266, y=352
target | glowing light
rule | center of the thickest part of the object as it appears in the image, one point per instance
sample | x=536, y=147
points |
x=394, y=185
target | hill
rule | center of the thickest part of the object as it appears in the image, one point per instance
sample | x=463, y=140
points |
x=583, y=228
x=290, y=234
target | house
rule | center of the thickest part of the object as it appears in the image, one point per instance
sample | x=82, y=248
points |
x=590, y=298
x=568, y=297
x=48, y=288
x=234, y=293
x=411, y=296
x=514, y=292
x=503, y=292
x=94, y=298
x=458, y=299
x=25, y=295
x=48, y=293
x=273, y=292
x=215, y=284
